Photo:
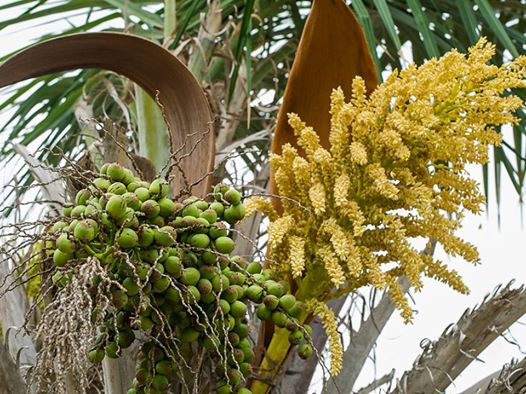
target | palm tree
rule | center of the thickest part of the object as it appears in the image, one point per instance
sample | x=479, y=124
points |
x=241, y=51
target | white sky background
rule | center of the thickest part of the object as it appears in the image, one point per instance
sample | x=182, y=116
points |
x=502, y=252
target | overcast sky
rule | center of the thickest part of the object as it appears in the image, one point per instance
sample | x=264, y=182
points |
x=502, y=252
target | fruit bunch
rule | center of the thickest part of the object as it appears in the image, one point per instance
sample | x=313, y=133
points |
x=173, y=282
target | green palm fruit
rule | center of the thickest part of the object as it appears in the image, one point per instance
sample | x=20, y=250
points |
x=173, y=266
x=223, y=388
x=146, y=323
x=232, y=196
x=254, y=268
x=104, y=169
x=96, y=356
x=199, y=241
x=234, y=376
x=279, y=319
x=60, y=259
x=112, y=350
x=115, y=172
x=193, y=295
x=173, y=295
x=127, y=238
x=297, y=310
x=142, y=194
x=151, y=208
x=234, y=213
x=101, y=184
x=78, y=211
x=287, y=301
x=164, y=367
x=224, y=245
x=160, y=188
x=230, y=294
x=68, y=208
x=210, y=215
x=117, y=188
x=241, y=330
x=255, y=293
x=191, y=210
x=146, y=236
x=219, y=190
x=165, y=236
x=57, y=226
x=86, y=230
x=132, y=201
x=131, y=287
x=224, y=305
x=220, y=283
x=167, y=207
x=161, y=284
x=204, y=286
x=190, y=276
x=132, y=186
x=263, y=312
x=217, y=230
x=271, y=301
x=82, y=197
x=218, y=208
x=59, y=279
x=160, y=382
x=238, y=309
x=128, y=177
x=305, y=350
x=64, y=244
x=125, y=338
x=274, y=288
x=116, y=207
x=190, y=335
x=119, y=298
x=296, y=337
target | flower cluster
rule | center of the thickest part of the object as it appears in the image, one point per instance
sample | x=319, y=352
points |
x=395, y=172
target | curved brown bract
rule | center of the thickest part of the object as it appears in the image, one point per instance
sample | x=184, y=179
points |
x=152, y=67
x=332, y=51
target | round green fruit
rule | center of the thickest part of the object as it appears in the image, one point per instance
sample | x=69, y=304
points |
x=167, y=207
x=127, y=238
x=116, y=207
x=151, y=208
x=224, y=245
x=64, y=244
x=199, y=241
x=115, y=172
x=305, y=350
x=232, y=196
x=60, y=259
x=96, y=356
x=238, y=309
x=165, y=236
x=190, y=276
x=142, y=193
x=82, y=197
x=146, y=236
x=173, y=266
x=117, y=188
x=86, y=230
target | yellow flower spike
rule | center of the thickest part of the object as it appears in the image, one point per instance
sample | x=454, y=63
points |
x=328, y=320
x=317, y=197
x=254, y=204
x=297, y=255
x=395, y=171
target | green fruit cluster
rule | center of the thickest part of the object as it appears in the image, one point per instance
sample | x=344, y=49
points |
x=173, y=278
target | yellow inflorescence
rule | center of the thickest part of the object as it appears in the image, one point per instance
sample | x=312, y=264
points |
x=328, y=320
x=395, y=172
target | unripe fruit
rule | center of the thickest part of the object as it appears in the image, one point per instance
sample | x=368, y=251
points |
x=96, y=356
x=173, y=266
x=232, y=196
x=238, y=309
x=220, y=283
x=64, y=244
x=254, y=268
x=112, y=350
x=58, y=226
x=224, y=305
x=190, y=276
x=67, y=210
x=60, y=259
x=164, y=367
x=119, y=298
x=199, y=241
x=142, y=193
x=78, y=211
x=296, y=337
x=146, y=236
x=146, y=323
x=305, y=351
x=161, y=285
x=160, y=188
x=115, y=172
x=241, y=330
x=151, y=208
x=128, y=177
x=191, y=210
x=104, y=169
x=167, y=207
x=297, y=310
x=218, y=208
x=287, y=301
x=82, y=197
x=255, y=293
x=116, y=207
x=172, y=295
x=230, y=294
x=86, y=230
x=127, y=238
x=217, y=230
x=131, y=287
x=160, y=382
x=190, y=335
x=234, y=376
x=263, y=312
x=101, y=183
x=274, y=288
x=165, y=236
x=132, y=201
x=279, y=319
x=132, y=186
x=219, y=190
x=204, y=286
x=234, y=213
x=117, y=188
x=224, y=245
x=271, y=302
x=210, y=215
x=125, y=338
x=59, y=279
